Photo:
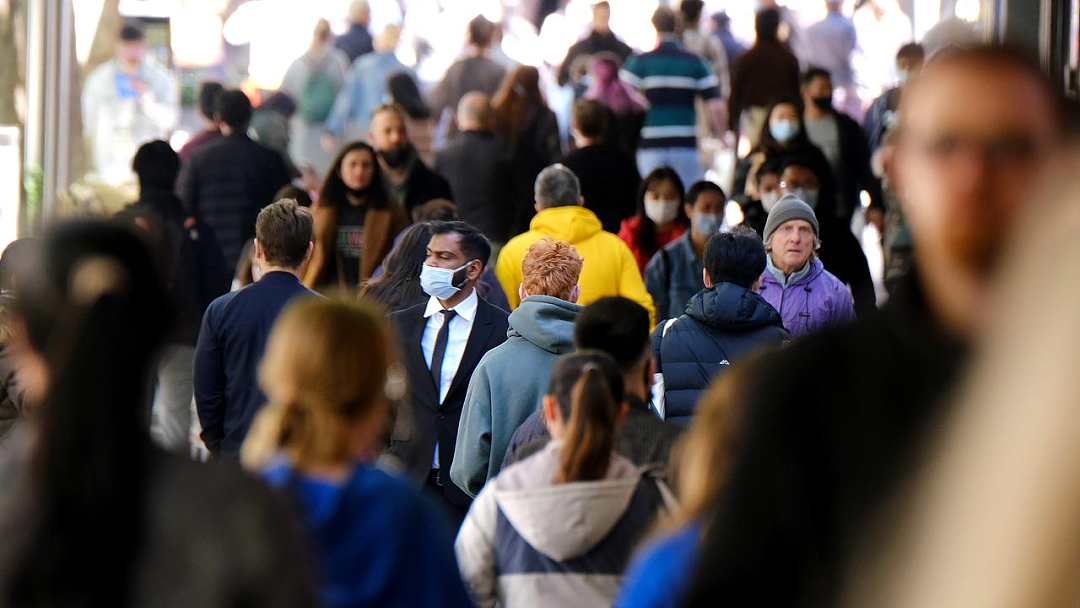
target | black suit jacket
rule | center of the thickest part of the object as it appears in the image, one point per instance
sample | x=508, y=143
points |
x=426, y=423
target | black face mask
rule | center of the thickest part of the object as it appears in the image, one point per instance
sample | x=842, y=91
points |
x=825, y=103
x=395, y=158
x=462, y=276
x=361, y=193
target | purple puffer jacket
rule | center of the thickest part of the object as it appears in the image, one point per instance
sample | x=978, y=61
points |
x=814, y=302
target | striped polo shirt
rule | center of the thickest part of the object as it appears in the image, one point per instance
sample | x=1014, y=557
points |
x=671, y=78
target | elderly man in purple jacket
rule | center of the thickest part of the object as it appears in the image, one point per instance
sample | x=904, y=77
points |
x=795, y=282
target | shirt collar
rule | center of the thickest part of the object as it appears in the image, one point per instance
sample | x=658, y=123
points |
x=785, y=280
x=465, y=309
x=637, y=403
x=686, y=246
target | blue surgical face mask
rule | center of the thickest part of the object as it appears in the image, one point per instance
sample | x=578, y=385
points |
x=807, y=196
x=784, y=130
x=707, y=223
x=439, y=282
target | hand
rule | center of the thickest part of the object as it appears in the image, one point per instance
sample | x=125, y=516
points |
x=329, y=142
x=139, y=85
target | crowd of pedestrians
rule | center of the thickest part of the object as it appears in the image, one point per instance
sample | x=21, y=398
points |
x=509, y=371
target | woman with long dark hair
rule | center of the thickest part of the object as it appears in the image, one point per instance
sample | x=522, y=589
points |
x=398, y=287
x=661, y=217
x=529, y=128
x=83, y=478
x=355, y=221
x=565, y=519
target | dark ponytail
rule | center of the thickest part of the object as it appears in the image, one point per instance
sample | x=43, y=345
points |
x=589, y=391
x=96, y=312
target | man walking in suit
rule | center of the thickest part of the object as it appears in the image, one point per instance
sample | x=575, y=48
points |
x=441, y=342
x=235, y=327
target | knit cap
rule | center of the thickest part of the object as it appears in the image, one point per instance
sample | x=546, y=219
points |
x=788, y=208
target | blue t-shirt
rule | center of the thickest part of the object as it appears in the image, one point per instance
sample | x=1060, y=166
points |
x=661, y=573
x=378, y=542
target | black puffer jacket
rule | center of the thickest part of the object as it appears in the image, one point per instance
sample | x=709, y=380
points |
x=721, y=325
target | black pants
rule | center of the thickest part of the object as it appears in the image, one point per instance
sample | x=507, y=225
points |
x=433, y=489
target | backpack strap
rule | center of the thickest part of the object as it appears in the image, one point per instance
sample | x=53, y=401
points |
x=659, y=391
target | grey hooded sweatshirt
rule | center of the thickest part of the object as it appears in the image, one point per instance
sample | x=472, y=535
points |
x=507, y=386
x=530, y=542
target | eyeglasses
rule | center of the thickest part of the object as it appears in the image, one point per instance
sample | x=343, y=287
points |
x=797, y=184
x=1005, y=149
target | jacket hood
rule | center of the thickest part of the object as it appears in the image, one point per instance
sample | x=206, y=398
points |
x=730, y=307
x=545, y=322
x=563, y=521
x=572, y=224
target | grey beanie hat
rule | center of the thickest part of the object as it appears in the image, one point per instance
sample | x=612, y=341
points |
x=788, y=208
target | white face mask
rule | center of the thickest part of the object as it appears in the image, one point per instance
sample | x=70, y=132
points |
x=661, y=211
x=439, y=282
x=769, y=200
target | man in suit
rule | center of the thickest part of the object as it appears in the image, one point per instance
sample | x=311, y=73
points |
x=229, y=180
x=235, y=327
x=441, y=342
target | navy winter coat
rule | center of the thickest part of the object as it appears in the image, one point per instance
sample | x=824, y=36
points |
x=721, y=325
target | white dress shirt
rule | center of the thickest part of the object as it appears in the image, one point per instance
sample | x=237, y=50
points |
x=460, y=328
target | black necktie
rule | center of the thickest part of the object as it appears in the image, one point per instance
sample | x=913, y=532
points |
x=440, y=352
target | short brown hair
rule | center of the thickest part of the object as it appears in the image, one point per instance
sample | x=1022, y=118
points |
x=481, y=31
x=551, y=268
x=284, y=232
x=665, y=20
x=589, y=117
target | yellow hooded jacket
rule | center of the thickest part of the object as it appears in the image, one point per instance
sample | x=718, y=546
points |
x=609, y=268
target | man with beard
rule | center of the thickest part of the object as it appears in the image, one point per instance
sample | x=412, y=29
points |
x=408, y=180
x=827, y=442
